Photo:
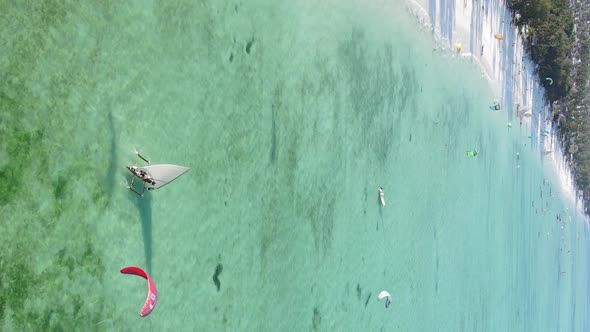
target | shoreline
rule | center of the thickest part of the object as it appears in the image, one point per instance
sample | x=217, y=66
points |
x=506, y=67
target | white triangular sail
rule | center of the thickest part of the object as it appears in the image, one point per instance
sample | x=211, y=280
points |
x=164, y=173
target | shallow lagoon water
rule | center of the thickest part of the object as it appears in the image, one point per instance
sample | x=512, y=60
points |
x=290, y=116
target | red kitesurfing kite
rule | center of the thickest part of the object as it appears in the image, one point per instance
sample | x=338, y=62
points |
x=152, y=296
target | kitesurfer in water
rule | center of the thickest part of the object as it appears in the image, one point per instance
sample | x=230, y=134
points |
x=385, y=295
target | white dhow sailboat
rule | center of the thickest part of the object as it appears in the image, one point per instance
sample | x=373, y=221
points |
x=154, y=176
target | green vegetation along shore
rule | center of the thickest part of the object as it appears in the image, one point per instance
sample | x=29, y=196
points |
x=557, y=37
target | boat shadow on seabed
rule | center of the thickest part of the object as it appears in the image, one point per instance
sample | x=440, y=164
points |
x=143, y=204
x=150, y=177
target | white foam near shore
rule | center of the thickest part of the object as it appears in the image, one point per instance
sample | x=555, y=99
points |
x=475, y=24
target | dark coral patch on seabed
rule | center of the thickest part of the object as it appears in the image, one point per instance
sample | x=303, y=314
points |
x=216, y=281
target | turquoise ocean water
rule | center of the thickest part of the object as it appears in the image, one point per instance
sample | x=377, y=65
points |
x=290, y=114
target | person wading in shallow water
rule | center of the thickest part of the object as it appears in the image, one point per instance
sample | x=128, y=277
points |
x=142, y=175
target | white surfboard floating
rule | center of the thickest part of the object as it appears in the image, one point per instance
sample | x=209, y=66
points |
x=381, y=196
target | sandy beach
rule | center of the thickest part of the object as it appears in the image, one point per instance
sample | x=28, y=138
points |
x=474, y=26
x=502, y=61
